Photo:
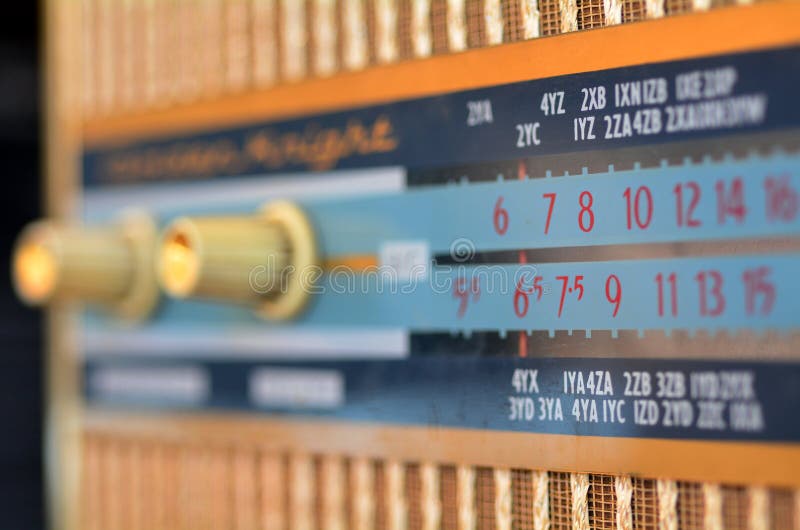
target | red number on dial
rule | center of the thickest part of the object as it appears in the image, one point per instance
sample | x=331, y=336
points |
x=586, y=215
x=552, y=198
x=685, y=217
x=500, y=217
x=642, y=215
x=672, y=280
x=614, y=292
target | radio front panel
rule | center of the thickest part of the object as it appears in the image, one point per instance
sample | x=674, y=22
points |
x=552, y=295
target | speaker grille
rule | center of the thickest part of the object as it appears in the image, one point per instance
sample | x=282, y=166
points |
x=148, y=483
x=167, y=59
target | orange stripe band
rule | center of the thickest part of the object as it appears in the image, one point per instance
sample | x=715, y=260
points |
x=736, y=463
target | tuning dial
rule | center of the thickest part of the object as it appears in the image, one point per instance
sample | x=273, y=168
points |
x=264, y=260
x=110, y=266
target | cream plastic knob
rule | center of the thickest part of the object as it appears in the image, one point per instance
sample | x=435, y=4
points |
x=263, y=260
x=105, y=265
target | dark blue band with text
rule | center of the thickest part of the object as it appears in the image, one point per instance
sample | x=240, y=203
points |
x=713, y=400
x=633, y=106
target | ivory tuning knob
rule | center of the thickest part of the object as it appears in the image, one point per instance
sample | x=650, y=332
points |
x=262, y=260
x=109, y=266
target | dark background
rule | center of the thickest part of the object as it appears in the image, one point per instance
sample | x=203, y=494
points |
x=21, y=367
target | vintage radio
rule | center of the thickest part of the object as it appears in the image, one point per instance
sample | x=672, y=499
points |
x=421, y=264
